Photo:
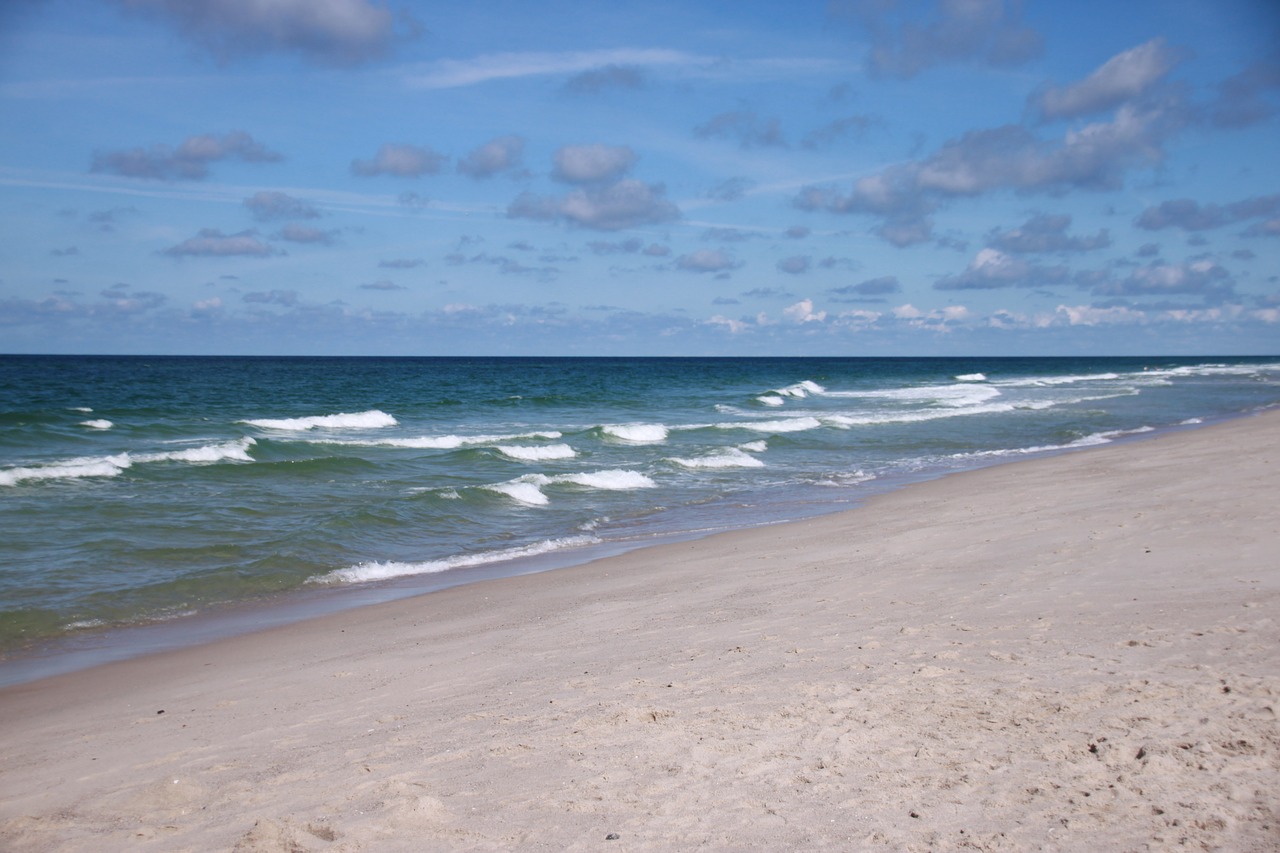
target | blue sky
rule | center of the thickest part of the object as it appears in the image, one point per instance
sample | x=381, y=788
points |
x=859, y=177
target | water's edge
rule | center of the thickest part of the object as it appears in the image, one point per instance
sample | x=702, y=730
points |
x=74, y=653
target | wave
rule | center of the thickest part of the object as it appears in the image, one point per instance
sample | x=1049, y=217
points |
x=111, y=466
x=97, y=423
x=237, y=451
x=636, y=433
x=527, y=490
x=537, y=454
x=70, y=469
x=436, y=442
x=797, y=424
x=956, y=396
x=728, y=457
x=1092, y=440
x=376, y=571
x=372, y=419
x=971, y=377
x=799, y=390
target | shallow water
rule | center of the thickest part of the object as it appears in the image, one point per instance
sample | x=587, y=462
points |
x=143, y=490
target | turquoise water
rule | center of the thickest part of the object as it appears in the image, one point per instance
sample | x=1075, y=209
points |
x=139, y=490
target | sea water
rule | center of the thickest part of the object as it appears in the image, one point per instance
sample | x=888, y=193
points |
x=142, y=490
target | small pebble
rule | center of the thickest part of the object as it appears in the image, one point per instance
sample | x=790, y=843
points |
x=613, y=836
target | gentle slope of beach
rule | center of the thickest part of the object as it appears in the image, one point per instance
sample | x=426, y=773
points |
x=1071, y=653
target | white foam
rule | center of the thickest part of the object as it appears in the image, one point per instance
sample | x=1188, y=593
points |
x=70, y=469
x=636, y=433
x=84, y=409
x=963, y=394
x=520, y=491
x=754, y=446
x=436, y=442
x=537, y=454
x=770, y=400
x=971, y=377
x=1039, y=381
x=372, y=419
x=616, y=480
x=800, y=389
x=799, y=424
x=233, y=450
x=728, y=457
x=376, y=571
x=97, y=423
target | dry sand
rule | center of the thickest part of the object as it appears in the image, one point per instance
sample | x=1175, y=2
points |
x=1075, y=653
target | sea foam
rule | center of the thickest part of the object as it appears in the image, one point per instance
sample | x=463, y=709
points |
x=437, y=442
x=728, y=457
x=636, y=433
x=376, y=571
x=70, y=469
x=97, y=423
x=372, y=419
x=536, y=454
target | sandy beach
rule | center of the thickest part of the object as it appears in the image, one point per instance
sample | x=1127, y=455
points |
x=1073, y=653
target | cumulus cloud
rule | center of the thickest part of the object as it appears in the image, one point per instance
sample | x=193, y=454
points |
x=1190, y=215
x=287, y=298
x=836, y=130
x=706, y=260
x=629, y=246
x=992, y=269
x=266, y=206
x=802, y=312
x=871, y=287
x=328, y=32
x=1046, y=233
x=296, y=233
x=495, y=156
x=795, y=265
x=587, y=164
x=1242, y=98
x=1200, y=277
x=1094, y=157
x=403, y=161
x=189, y=160
x=597, y=80
x=731, y=189
x=1121, y=78
x=744, y=126
x=608, y=207
x=210, y=242
x=988, y=32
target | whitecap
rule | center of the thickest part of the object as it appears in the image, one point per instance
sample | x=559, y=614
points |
x=729, y=457
x=755, y=446
x=537, y=454
x=372, y=419
x=520, y=491
x=636, y=433
x=233, y=450
x=97, y=423
x=770, y=400
x=971, y=377
x=436, y=442
x=799, y=424
x=70, y=469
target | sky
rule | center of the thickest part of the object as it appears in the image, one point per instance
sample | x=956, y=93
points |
x=854, y=177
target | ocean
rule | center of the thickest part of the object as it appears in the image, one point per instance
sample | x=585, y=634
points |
x=153, y=501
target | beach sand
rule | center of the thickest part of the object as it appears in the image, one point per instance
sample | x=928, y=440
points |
x=1073, y=653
